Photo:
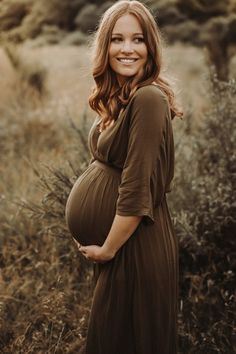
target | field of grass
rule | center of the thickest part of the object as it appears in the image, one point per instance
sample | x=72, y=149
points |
x=46, y=129
x=69, y=71
x=45, y=293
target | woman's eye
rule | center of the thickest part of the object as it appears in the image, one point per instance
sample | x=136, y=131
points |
x=138, y=40
x=119, y=39
x=116, y=39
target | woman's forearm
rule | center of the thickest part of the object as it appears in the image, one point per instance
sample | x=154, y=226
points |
x=122, y=228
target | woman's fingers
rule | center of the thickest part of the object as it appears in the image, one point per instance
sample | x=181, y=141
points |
x=77, y=243
x=82, y=249
x=85, y=251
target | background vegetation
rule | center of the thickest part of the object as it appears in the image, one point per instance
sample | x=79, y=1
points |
x=45, y=286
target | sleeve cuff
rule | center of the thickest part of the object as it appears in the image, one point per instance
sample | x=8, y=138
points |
x=148, y=218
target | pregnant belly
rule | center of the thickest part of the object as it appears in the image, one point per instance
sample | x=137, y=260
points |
x=91, y=205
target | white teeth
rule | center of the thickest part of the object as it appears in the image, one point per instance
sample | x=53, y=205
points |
x=127, y=60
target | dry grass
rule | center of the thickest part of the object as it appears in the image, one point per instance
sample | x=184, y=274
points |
x=45, y=293
x=38, y=298
x=68, y=71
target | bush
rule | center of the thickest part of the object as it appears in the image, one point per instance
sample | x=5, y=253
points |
x=75, y=38
x=201, y=10
x=53, y=13
x=44, y=295
x=167, y=13
x=31, y=76
x=186, y=32
x=87, y=19
x=206, y=225
x=12, y=13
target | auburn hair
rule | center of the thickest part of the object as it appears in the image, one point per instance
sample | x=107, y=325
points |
x=107, y=97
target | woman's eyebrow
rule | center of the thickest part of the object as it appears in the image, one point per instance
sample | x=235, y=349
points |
x=134, y=34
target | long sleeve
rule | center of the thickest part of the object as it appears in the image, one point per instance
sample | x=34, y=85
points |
x=145, y=136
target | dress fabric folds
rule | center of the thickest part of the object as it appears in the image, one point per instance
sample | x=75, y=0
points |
x=134, y=308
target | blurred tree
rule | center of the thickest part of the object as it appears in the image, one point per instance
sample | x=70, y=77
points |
x=218, y=35
x=97, y=2
x=55, y=12
x=166, y=12
x=87, y=18
x=217, y=32
x=42, y=12
x=186, y=32
x=12, y=13
x=201, y=10
x=208, y=23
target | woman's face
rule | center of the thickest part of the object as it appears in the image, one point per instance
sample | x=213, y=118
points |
x=127, y=52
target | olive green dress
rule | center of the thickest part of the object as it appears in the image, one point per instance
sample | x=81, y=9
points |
x=134, y=309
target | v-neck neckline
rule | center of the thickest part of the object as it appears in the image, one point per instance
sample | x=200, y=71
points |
x=122, y=111
x=115, y=121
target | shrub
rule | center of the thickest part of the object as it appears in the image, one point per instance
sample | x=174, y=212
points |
x=31, y=75
x=186, y=32
x=202, y=10
x=12, y=13
x=205, y=220
x=167, y=13
x=53, y=13
x=104, y=6
x=75, y=38
x=44, y=298
x=87, y=19
x=217, y=35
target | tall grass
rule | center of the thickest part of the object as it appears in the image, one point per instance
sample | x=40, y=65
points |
x=205, y=218
x=30, y=76
x=44, y=295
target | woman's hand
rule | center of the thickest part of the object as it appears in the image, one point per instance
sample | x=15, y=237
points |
x=95, y=253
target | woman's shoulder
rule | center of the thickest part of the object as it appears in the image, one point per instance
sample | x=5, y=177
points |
x=150, y=94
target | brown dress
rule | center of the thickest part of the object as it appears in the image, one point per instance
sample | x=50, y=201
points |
x=134, y=309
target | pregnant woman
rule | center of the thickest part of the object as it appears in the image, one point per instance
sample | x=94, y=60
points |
x=117, y=209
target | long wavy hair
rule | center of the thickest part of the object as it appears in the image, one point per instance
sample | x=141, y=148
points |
x=108, y=98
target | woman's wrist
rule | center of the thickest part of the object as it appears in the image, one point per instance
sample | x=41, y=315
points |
x=108, y=251
x=122, y=228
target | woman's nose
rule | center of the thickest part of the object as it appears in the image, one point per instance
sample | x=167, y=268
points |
x=127, y=47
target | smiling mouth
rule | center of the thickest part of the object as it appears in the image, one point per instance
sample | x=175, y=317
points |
x=127, y=60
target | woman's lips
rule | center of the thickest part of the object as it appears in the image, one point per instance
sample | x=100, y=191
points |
x=127, y=60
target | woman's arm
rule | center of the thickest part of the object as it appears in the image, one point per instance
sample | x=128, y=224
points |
x=122, y=228
x=146, y=131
